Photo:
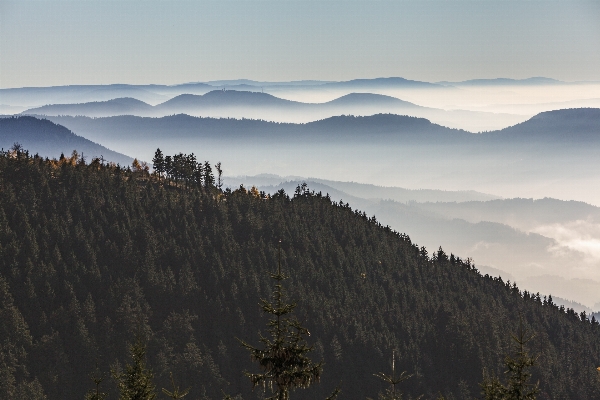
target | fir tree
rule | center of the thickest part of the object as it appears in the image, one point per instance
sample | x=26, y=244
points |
x=176, y=393
x=391, y=393
x=209, y=178
x=517, y=369
x=158, y=162
x=96, y=394
x=136, y=382
x=219, y=175
x=283, y=357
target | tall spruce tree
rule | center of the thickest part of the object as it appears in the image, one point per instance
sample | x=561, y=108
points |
x=176, y=393
x=209, y=178
x=158, y=162
x=517, y=369
x=136, y=382
x=96, y=394
x=391, y=393
x=283, y=357
x=219, y=175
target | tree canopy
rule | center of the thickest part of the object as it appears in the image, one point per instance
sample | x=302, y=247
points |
x=92, y=254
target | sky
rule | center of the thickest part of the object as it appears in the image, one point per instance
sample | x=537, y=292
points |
x=54, y=42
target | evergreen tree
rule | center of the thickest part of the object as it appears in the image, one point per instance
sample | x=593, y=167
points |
x=96, y=394
x=176, y=393
x=169, y=167
x=158, y=162
x=391, y=393
x=135, y=383
x=199, y=174
x=219, y=175
x=209, y=178
x=283, y=357
x=517, y=369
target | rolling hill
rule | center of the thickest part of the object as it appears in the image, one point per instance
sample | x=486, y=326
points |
x=120, y=106
x=50, y=140
x=256, y=105
x=577, y=126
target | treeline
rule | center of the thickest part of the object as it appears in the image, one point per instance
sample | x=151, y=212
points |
x=185, y=168
x=93, y=254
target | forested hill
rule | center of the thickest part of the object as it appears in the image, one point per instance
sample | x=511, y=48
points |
x=380, y=127
x=50, y=139
x=579, y=125
x=91, y=255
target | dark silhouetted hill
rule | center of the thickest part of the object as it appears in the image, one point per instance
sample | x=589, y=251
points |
x=121, y=106
x=535, y=81
x=369, y=99
x=376, y=128
x=50, y=140
x=393, y=82
x=231, y=101
x=569, y=129
x=574, y=125
x=224, y=98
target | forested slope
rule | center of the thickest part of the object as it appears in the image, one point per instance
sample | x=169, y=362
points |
x=91, y=255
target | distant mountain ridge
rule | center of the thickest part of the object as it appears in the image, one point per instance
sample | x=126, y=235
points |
x=228, y=101
x=559, y=125
x=123, y=105
x=505, y=81
x=155, y=94
x=380, y=127
x=546, y=128
x=387, y=82
x=250, y=104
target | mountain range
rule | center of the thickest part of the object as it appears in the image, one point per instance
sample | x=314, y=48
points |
x=578, y=126
x=257, y=105
x=534, y=81
x=153, y=93
x=475, y=105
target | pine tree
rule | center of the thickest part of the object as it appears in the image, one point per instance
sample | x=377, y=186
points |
x=209, y=178
x=176, y=393
x=517, y=369
x=136, y=382
x=283, y=357
x=393, y=380
x=96, y=394
x=158, y=162
x=219, y=175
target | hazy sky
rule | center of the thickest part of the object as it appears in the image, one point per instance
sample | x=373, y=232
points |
x=54, y=42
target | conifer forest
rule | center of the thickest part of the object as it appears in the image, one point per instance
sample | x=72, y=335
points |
x=121, y=283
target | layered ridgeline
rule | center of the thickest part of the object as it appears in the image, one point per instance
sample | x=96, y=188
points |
x=92, y=255
x=257, y=105
x=555, y=154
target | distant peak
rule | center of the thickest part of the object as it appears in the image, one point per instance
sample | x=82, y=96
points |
x=537, y=80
